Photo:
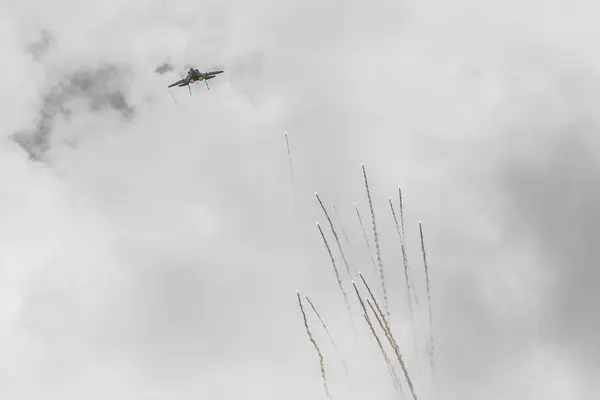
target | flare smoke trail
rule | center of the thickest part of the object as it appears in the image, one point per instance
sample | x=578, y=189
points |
x=406, y=276
x=381, y=273
x=385, y=321
x=428, y=300
x=386, y=332
x=389, y=335
x=396, y=348
x=335, y=235
x=401, y=212
x=388, y=362
x=340, y=222
x=377, y=314
x=364, y=232
x=337, y=274
x=321, y=361
x=172, y=95
x=328, y=334
x=391, y=370
x=287, y=143
x=402, y=238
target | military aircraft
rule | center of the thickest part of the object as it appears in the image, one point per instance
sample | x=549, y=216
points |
x=194, y=75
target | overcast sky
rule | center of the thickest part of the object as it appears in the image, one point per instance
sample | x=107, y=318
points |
x=152, y=249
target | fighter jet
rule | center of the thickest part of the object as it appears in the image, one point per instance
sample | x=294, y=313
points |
x=194, y=75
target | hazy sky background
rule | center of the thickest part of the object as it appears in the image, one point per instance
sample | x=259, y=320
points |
x=155, y=251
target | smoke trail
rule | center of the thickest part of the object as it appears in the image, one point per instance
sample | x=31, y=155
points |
x=364, y=232
x=428, y=300
x=401, y=212
x=388, y=362
x=388, y=333
x=386, y=324
x=172, y=95
x=321, y=362
x=394, y=345
x=335, y=235
x=329, y=335
x=340, y=222
x=406, y=276
x=287, y=143
x=404, y=256
x=381, y=274
x=382, y=325
x=337, y=274
x=391, y=370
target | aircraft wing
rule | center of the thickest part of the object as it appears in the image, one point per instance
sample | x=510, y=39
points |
x=209, y=73
x=181, y=82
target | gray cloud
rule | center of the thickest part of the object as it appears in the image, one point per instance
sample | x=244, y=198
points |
x=170, y=270
x=533, y=170
x=40, y=47
x=164, y=68
x=552, y=189
x=102, y=88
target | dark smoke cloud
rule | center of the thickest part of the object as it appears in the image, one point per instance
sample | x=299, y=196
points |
x=164, y=68
x=101, y=87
